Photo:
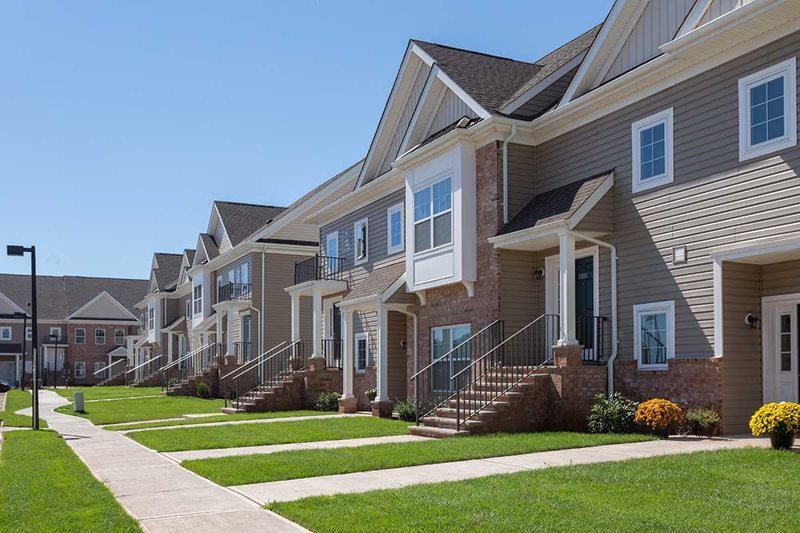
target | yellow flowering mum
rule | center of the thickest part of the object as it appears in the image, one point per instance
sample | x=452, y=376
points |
x=658, y=414
x=781, y=417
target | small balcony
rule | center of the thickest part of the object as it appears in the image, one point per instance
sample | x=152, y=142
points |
x=319, y=267
x=54, y=339
x=233, y=292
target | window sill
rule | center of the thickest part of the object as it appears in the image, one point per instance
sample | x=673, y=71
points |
x=433, y=251
x=652, y=368
x=767, y=148
x=651, y=183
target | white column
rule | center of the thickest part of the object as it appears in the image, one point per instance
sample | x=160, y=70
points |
x=170, y=341
x=131, y=355
x=229, y=337
x=347, y=364
x=295, y=317
x=317, y=319
x=566, y=272
x=219, y=327
x=382, y=359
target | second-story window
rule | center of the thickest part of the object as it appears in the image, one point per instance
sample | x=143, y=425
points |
x=119, y=337
x=151, y=319
x=188, y=308
x=5, y=334
x=433, y=216
x=652, y=151
x=360, y=231
x=198, y=299
x=80, y=336
x=99, y=336
x=394, y=222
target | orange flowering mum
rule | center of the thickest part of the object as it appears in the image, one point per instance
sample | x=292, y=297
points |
x=657, y=414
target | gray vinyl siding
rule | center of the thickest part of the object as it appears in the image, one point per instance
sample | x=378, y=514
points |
x=657, y=25
x=377, y=231
x=451, y=109
x=520, y=170
x=221, y=238
x=715, y=200
x=277, y=305
x=547, y=97
x=721, y=7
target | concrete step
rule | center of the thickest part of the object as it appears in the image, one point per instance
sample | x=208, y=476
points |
x=436, y=432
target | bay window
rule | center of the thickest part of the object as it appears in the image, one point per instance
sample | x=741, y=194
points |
x=433, y=216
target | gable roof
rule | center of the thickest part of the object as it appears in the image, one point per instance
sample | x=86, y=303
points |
x=168, y=270
x=189, y=253
x=117, y=310
x=209, y=245
x=376, y=283
x=241, y=220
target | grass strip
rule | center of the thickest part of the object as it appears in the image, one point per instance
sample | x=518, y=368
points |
x=246, y=469
x=45, y=487
x=144, y=409
x=109, y=392
x=15, y=400
x=220, y=418
x=735, y=490
x=205, y=438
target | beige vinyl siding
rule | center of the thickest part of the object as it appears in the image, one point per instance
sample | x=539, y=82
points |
x=721, y=7
x=450, y=109
x=279, y=274
x=520, y=170
x=714, y=201
x=600, y=218
x=547, y=97
x=657, y=25
x=221, y=238
x=297, y=231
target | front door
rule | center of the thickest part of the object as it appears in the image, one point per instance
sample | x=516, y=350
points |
x=246, y=337
x=781, y=371
x=584, y=301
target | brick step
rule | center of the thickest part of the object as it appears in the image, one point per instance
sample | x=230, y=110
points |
x=470, y=404
x=451, y=423
x=446, y=412
x=436, y=432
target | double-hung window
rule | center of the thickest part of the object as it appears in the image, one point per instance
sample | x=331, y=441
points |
x=98, y=366
x=433, y=216
x=80, y=369
x=197, y=293
x=444, y=340
x=5, y=334
x=29, y=333
x=151, y=319
x=654, y=334
x=394, y=223
x=80, y=336
x=119, y=337
x=188, y=308
x=768, y=110
x=652, y=151
x=99, y=336
x=360, y=231
x=362, y=352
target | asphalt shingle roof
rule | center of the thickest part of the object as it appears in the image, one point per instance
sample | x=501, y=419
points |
x=376, y=282
x=169, y=268
x=555, y=205
x=211, y=246
x=242, y=220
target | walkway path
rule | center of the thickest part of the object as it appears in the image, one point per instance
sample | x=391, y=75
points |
x=281, y=491
x=325, y=444
x=248, y=421
x=154, y=489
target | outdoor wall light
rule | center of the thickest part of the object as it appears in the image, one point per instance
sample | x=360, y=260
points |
x=752, y=320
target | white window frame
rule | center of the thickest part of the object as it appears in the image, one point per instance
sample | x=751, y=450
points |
x=151, y=319
x=56, y=332
x=356, y=232
x=450, y=364
x=432, y=215
x=667, y=307
x=29, y=333
x=398, y=208
x=83, y=330
x=365, y=338
x=3, y=331
x=96, y=330
x=787, y=69
x=332, y=237
x=663, y=117
x=99, y=365
x=189, y=308
x=197, y=301
x=82, y=373
x=119, y=330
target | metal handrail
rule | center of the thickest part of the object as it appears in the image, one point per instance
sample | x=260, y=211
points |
x=156, y=358
x=456, y=348
x=267, y=371
x=185, y=357
x=109, y=366
x=243, y=371
x=252, y=361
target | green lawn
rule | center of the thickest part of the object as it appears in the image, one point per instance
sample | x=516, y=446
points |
x=144, y=409
x=241, y=470
x=45, y=487
x=220, y=418
x=204, y=438
x=737, y=490
x=103, y=393
x=15, y=400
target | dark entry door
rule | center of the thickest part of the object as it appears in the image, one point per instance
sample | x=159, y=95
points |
x=584, y=301
x=337, y=336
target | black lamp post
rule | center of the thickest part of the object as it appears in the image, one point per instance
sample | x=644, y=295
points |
x=19, y=251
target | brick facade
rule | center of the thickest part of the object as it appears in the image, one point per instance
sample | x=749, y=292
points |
x=90, y=352
x=691, y=382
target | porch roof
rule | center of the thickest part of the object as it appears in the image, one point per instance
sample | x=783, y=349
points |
x=556, y=210
x=376, y=284
x=177, y=325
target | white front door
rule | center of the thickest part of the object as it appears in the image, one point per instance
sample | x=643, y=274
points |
x=780, y=352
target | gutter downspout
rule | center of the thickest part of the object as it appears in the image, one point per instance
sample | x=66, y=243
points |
x=505, y=172
x=614, y=340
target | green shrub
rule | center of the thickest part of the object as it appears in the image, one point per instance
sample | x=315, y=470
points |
x=701, y=422
x=612, y=415
x=406, y=410
x=203, y=390
x=174, y=382
x=372, y=394
x=328, y=401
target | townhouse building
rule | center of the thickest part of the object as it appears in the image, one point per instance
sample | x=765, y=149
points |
x=83, y=323
x=618, y=215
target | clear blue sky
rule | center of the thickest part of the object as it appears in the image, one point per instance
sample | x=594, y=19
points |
x=120, y=122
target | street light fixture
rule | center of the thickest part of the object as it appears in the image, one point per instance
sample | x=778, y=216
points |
x=19, y=251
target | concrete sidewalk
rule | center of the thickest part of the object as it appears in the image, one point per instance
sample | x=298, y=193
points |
x=318, y=445
x=282, y=491
x=152, y=488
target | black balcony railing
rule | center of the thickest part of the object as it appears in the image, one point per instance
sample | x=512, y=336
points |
x=319, y=267
x=53, y=339
x=332, y=350
x=233, y=292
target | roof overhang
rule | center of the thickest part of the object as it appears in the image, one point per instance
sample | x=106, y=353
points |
x=325, y=287
x=102, y=295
